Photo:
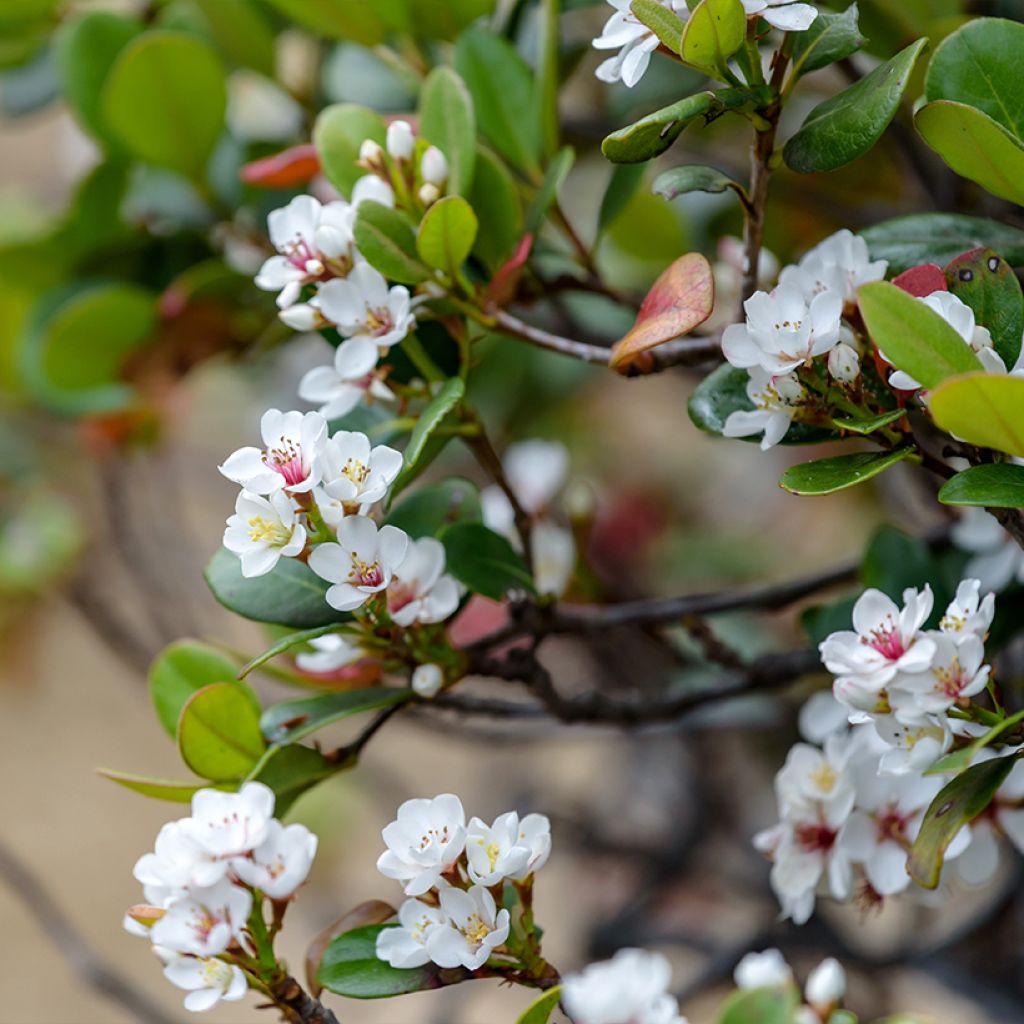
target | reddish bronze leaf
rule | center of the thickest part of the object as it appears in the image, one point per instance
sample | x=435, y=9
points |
x=922, y=280
x=287, y=169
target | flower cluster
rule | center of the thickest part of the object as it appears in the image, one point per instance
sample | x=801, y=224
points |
x=631, y=988
x=852, y=798
x=823, y=992
x=451, y=873
x=204, y=883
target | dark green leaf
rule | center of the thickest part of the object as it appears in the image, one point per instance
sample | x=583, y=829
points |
x=999, y=485
x=958, y=803
x=983, y=409
x=289, y=771
x=446, y=234
x=357, y=21
x=242, y=31
x=847, y=125
x=548, y=77
x=495, y=200
x=622, y=185
x=385, y=238
x=291, y=594
x=871, y=424
x=826, y=476
x=894, y=561
x=540, y=1010
x=831, y=37
x=448, y=121
x=547, y=195
x=663, y=22
x=219, y=732
x=760, y=1006
x=652, y=135
x=430, y=419
x=338, y=133
x=484, y=560
x=428, y=511
x=293, y=720
x=693, y=178
x=350, y=968
x=987, y=283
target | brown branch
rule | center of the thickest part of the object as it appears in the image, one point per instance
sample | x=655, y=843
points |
x=290, y=996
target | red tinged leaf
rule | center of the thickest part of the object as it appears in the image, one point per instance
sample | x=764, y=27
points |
x=681, y=299
x=922, y=280
x=502, y=288
x=287, y=169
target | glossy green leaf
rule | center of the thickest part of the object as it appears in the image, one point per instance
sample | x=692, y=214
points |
x=547, y=195
x=219, y=732
x=714, y=31
x=693, y=178
x=357, y=21
x=164, y=100
x=826, y=476
x=182, y=668
x=652, y=135
x=159, y=789
x=760, y=1006
x=495, y=200
x=957, y=804
x=502, y=87
x=975, y=146
x=484, y=560
x=243, y=32
x=983, y=409
x=847, y=125
x=662, y=21
x=447, y=119
x=446, y=234
x=913, y=337
x=429, y=510
x=293, y=720
x=433, y=415
x=831, y=37
x=999, y=485
x=957, y=760
x=291, y=594
x=986, y=282
x=386, y=239
x=870, y=424
x=893, y=561
x=350, y=967
x=338, y=133
x=286, y=643
x=548, y=73
x=540, y=1010
x=291, y=770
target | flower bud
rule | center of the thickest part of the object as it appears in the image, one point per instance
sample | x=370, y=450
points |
x=805, y=1015
x=400, y=140
x=844, y=363
x=826, y=985
x=370, y=153
x=427, y=680
x=788, y=387
x=301, y=317
x=429, y=194
x=434, y=166
x=763, y=970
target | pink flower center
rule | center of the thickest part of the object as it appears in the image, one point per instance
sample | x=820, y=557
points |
x=299, y=252
x=887, y=641
x=399, y=595
x=891, y=825
x=287, y=460
x=365, y=574
x=815, y=837
x=379, y=322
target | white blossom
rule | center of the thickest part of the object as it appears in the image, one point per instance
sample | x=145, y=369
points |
x=339, y=388
x=292, y=442
x=822, y=716
x=956, y=673
x=434, y=167
x=826, y=986
x=406, y=945
x=262, y=530
x=633, y=39
x=996, y=558
x=427, y=680
x=1004, y=817
x=474, y=929
x=631, y=988
x=767, y=969
x=812, y=777
x=844, y=363
x=330, y=653
x=420, y=590
x=207, y=981
x=839, y=264
x=361, y=563
x=205, y=921
x=400, y=140
x=425, y=841
x=355, y=474
x=968, y=614
x=916, y=740
x=776, y=399
x=370, y=187
x=280, y=864
x=178, y=860
x=508, y=848
x=362, y=306
x=229, y=825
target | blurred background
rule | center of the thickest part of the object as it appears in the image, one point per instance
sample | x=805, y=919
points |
x=135, y=354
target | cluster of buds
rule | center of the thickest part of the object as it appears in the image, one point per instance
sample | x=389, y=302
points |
x=415, y=170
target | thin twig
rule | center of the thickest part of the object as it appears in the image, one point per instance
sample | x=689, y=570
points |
x=304, y=1009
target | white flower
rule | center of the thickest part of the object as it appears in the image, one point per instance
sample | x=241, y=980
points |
x=400, y=140
x=968, y=614
x=205, y=921
x=425, y=840
x=406, y=945
x=369, y=186
x=1003, y=817
x=776, y=399
x=361, y=563
x=997, y=560
x=554, y=556
x=728, y=274
x=914, y=746
x=292, y=442
x=434, y=167
x=508, y=848
x=821, y=716
x=427, y=680
x=207, y=981
x=338, y=389
x=783, y=330
x=177, y=861
x=280, y=864
x=420, y=591
x=956, y=673
x=536, y=471
x=811, y=777
x=631, y=988
x=312, y=241
x=767, y=969
x=844, y=363
x=839, y=264
x=354, y=473
x=784, y=15
x=230, y=825
x=362, y=306
x=826, y=986
x=262, y=530
x=370, y=152
x=331, y=653
x=885, y=640
x=475, y=928
x=634, y=41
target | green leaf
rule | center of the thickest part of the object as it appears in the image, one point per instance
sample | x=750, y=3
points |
x=871, y=424
x=979, y=65
x=158, y=789
x=293, y=720
x=291, y=594
x=429, y=510
x=957, y=804
x=286, y=643
x=182, y=668
x=983, y=409
x=831, y=37
x=540, y=1010
x=350, y=968
x=760, y=1006
x=826, y=476
x=448, y=121
x=938, y=238
x=446, y=234
x=484, y=560
x=999, y=485
x=430, y=419
x=842, y=1017
x=242, y=32
x=495, y=200
x=338, y=133
x=219, y=732
x=894, y=561
x=501, y=85
x=663, y=22
x=714, y=31
x=357, y=21
x=385, y=238
x=913, y=337
x=622, y=185
x=547, y=195
x=164, y=99
x=548, y=77
x=86, y=47
x=289, y=771
x=652, y=135
x=975, y=146
x=848, y=124
x=986, y=282
x=957, y=761
x=693, y=178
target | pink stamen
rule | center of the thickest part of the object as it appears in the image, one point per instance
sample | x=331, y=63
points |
x=815, y=837
x=887, y=641
x=287, y=460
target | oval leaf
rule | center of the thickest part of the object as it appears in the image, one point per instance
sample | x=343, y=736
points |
x=495, y=201
x=653, y=134
x=446, y=234
x=663, y=22
x=826, y=476
x=219, y=732
x=714, y=31
x=986, y=282
x=831, y=37
x=159, y=789
x=387, y=241
x=449, y=395
x=484, y=560
x=289, y=771
x=540, y=1010
x=1000, y=485
x=760, y=1006
x=370, y=912
x=693, y=178
x=448, y=121
x=427, y=512
x=983, y=409
x=338, y=133
x=291, y=720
